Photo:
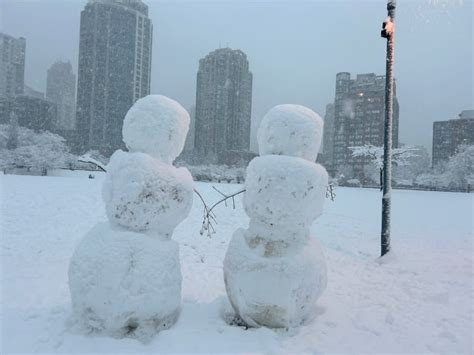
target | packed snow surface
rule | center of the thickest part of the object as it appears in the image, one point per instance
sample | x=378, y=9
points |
x=123, y=282
x=419, y=301
x=156, y=125
x=293, y=130
x=272, y=290
x=146, y=195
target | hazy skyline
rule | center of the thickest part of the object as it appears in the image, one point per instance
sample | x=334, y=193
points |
x=294, y=49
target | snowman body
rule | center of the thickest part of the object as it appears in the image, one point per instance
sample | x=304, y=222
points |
x=275, y=270
x=124, y=276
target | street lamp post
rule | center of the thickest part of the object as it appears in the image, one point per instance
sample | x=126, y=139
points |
x=388, y=32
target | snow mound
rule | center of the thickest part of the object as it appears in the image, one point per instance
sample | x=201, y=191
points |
x=144, y=194
x=156, y=125
x=292, y=130
x=122, y=283
x=276, y=292
x=283, y=190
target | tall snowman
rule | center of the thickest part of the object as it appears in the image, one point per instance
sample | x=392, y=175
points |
x=124, y=276
x=275, y=270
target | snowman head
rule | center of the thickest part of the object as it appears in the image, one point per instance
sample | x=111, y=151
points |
x=292, y=130
x=156, y=125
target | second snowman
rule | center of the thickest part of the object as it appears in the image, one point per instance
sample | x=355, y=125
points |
x=275, y=270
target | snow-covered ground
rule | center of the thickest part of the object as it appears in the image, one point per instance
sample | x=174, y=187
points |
x=418, y=301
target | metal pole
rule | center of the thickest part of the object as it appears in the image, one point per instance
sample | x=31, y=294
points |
x=388, y=33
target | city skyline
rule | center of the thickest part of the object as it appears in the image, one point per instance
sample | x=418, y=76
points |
x=294, y=57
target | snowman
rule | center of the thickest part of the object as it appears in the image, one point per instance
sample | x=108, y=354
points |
x=274, y=271
x=124, y=276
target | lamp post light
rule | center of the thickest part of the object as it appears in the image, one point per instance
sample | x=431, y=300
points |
x=388, y=32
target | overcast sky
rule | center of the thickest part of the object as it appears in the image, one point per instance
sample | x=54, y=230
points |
x=294, y=48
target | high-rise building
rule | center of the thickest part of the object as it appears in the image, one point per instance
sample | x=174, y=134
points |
x=29, y=91
x=449, y=135
x=223, y=107
x=115, y=52
x=12, y=65
x=189, y=144
x=328, y=136
x=61, y=89
x=359, y=114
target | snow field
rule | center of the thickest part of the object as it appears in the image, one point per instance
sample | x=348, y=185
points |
x=418, y=302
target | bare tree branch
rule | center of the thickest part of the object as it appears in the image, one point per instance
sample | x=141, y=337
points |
x=86, y=158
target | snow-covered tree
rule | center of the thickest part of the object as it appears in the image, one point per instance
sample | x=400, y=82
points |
x=460, y=167
x=400, y=156
x=37, y=150
x=416, y=165
x=457, y=172
x=374, y=155
x=12, y=140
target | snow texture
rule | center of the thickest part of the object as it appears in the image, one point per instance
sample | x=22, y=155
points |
x=122, y=282
x=292, y=130
x=144, y=194
x=284, y=191
x=274, y=271
x=277, y=292
x=156, y=125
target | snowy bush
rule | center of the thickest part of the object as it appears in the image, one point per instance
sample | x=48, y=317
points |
x=217, y=173
x=38, y=150
x=456, y=173
x=460, y=167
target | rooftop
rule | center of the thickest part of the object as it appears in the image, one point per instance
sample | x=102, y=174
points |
x=136, y=5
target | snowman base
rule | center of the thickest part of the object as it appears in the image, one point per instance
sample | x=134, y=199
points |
x=123, y=282
x=275, y=292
